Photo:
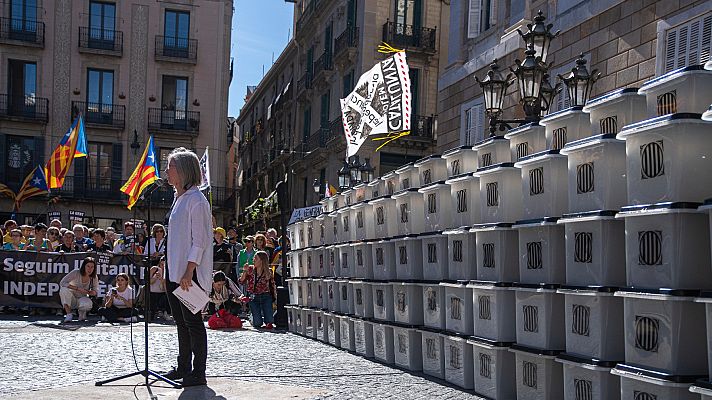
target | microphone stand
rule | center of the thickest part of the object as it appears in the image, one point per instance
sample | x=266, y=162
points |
x=146, y=372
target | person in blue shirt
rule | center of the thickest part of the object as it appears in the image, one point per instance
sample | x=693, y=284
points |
x=82, y=241
x=15, y=241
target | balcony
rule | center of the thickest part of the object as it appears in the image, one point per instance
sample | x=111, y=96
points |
x=309, y=12
x=100, y=41
x=24, y=108
x=100, y=115
x=345, y=44
x=174, y=120
x=304, y=84
x=421, y=129
x=175, y=49
x=409, y=37
x=322, y=64
x=22, y=32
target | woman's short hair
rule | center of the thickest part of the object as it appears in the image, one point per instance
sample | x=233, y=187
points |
x=123, y=275
x=262, y=237
x=219, y=276
x=83, y=268
x=187, y=165
x=100, y=232
x=156, y=227
x=53, y=229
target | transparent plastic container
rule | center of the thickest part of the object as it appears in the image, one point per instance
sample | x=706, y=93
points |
x=293, y=286
x=665, y=332
x=308, y=323
x=437, y=206
x=384, y=263
x=494, y=369
x=461, y=254
x=346, y=336
x=459, y=364
x=346, y=225
x=309, y=232
x=383, y=308
x=407, y=350
x=492, y=151
x=384, y=216
x=539, y=376
x=493, y=305
x=594, y=321
x=596, y=173
x=458, y=308
x=383, y=342
x=589, y=379
x=641, y=384
x=667, y=246
x=376, y=188
x=320, y=325
x=433, y=354
x=346, y=296
x=542, y=251
x=613, y=110
x=685, y=90
x=465, y=197
x=497, y=252
x=595, y=249
x=408, y=303
x=291, y=318
x=565, y=126
x=363, y=337
x=540, y=317
x=408, y=177
x=408, y=257
x=333, y=329
x=526, y=139
x=500, y=193
x=332, y=295
x=363, y=260
x=363, y=221
x=668, y=159
x=346, y=260
x=322, y=294
x=544, y=189
x=409, y=208
x=431, y=169
x=391, y=184
x=433, y=305
x=460, y=160
x=363, y=299
x=435, y=256
x=333, y=260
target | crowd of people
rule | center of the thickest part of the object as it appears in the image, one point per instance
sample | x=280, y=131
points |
x=243, y=278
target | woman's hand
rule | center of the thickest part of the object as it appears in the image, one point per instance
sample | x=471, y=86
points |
x=91, y=292
x=186, y=281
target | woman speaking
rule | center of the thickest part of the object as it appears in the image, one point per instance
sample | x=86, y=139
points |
x=189, y=262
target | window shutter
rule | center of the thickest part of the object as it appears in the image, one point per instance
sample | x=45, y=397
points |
x=478, y=127
x=465, y=137
x=116, y=164
x=689, y=43
x=473, y=20
x=493, y=12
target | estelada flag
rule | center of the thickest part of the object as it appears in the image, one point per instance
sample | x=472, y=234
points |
x=72, y=145
x=145, y=174
x=6, y=191
x=34, y=185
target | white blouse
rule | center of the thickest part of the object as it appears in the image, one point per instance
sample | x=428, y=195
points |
x=190, y=238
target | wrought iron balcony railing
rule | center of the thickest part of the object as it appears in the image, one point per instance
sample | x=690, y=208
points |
x=173, y=120
x=409, y=36
x=110, y=115
x=348, y=38
x=304, y=83
x=101, y=40
x=421, y=128
x=24, y=108
x=16, y=30
x=323, y=63
x=175, y=48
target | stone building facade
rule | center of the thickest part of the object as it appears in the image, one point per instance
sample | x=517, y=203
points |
x=133, y=68
x=629, y=42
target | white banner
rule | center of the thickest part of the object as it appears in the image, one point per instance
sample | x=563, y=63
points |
x=204, y=171
x=306, y=212
x=379, y=104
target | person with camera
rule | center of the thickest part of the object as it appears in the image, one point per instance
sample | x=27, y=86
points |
x=159, y=300
x=126, y=243
x=223, y=306
x=76, y=287
x=118, y=302
x=259, y=283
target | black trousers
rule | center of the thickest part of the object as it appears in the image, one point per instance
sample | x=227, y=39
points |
x=112, y=314
x=159, y=302
x=192, y=336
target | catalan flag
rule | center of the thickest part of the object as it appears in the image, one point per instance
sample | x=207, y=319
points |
x=35, y=184
x=146, y=173
x=329, y=190
x=72, y=145
x=6, y=191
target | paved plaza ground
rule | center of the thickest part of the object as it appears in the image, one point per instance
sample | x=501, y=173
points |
x=43, y=359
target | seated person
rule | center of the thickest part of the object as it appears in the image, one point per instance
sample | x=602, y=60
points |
x=68, y=244
x=39, y=243
x=99, y=244
x=118, y=302
x=76, y=287
x=15, y=241
x=224, y=294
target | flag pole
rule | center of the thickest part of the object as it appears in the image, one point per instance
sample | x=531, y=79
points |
x=91, y=198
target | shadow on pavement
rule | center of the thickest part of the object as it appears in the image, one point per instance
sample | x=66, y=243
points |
x=200, y=393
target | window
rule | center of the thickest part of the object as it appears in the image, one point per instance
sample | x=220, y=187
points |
x=306, y=123
x=176, y=31
x=348, y=83
x=414, y=75
x=18, y=156
x=325, y=102
x=472, y=123
x=99, y=166
x=100, y=95
x=23, y=15
x=174, y=104
x=688, y=44
x=482, y=14
x=22, y=87
x=102, y=22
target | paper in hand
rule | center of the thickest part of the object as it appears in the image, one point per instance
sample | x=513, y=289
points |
x=193, y=299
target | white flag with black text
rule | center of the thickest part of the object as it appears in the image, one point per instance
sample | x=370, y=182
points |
x=204, y=171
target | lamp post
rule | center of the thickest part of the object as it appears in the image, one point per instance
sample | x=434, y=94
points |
x=536, y=92
x=344, y=176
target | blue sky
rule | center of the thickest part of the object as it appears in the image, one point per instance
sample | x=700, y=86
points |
x=260, y=28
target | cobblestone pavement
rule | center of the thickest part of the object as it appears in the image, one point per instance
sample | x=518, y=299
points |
x=41, y=354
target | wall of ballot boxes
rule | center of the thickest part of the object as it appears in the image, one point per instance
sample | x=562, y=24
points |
x=566, y=259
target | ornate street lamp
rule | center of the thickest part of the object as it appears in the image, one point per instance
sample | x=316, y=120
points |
x=494, y=86
x=579, y=82
x=354, y=169
x=548, y=93
x=316, y=186
x=367, y=171
x=344, y=176
x=530, y=73
x=539, y=36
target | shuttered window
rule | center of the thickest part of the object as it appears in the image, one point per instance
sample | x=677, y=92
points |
x=473, y=126
x=688, y=44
